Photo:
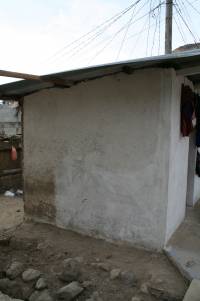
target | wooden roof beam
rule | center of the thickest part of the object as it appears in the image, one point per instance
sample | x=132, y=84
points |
x=56, y=81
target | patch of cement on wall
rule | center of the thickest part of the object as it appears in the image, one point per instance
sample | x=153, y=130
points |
x=39, y=201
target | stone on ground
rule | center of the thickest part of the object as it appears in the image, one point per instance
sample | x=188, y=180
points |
x=15, y=270
x=144, y=288
x=95, y=297
x=162, y=293
x=128, y=278
x=102, y=266
x=41, y=284
x=41, y=296
x=31, y=275
x=7, y=298
x=115, y=273
x=44, y=245
x=79, y=259
x=27, y=291
x=193, y=293
x=136, y=299
x=11, y=288
x=87, y=284
x=69, y=292
x=71, y=270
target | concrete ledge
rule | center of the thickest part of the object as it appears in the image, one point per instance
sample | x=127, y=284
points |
x=187, y=262
x=193, y=293
x=184, y=247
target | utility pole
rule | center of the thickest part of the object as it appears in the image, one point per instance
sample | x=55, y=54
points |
x=168, y=26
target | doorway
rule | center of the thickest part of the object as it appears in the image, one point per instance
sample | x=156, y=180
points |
x=11, y=193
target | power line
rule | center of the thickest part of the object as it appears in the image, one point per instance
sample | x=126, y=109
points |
x=145, y=28
x=83, y=44
x=121, y=29
x=154, y=35
x=178, y=21
x=183, y=17
x=149, y=27
x=103, y=26
x=89, y=40
x=180, y=14
x=180, y=30
x=124, y=27
x=115, y=35
x=125, y=34
x=139, y=34
x=184, y=9
x=160, y=11
x=195, y=9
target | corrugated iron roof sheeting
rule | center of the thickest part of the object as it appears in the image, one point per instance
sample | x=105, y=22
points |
x=177, y=61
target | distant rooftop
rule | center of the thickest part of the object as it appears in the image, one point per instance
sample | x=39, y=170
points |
x=188, y=47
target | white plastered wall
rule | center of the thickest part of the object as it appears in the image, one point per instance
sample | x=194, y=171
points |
x=191, y=170
x=178, y=166
x=196, y=195
x=98, y=160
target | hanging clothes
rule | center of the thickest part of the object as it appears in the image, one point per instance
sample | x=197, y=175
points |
x=198, y=164
x=187, y=110
x=198, y=121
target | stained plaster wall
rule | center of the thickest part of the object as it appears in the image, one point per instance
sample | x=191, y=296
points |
x=97, y=155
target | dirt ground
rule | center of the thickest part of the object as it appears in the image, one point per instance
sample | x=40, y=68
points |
x=149, y=276
x=11, y=212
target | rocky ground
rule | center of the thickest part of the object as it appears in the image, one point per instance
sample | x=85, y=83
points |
x=42, y=263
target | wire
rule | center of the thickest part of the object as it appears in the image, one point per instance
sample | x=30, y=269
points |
x=178, y=9
x=160, y=11
x=196, y=10
x=149, y=28
x=180, y=14
x=179, y=25
x=103, y=25
x=125, y=34
x=144, y=29
x=154, y=35
x=109, y=42
x=124, y=27
x=90, y=39
x=179, y=29
x=139, y=34
x=184, y=9
x=115, y=35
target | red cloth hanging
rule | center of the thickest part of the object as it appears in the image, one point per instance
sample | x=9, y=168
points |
x=13, y=153
x=187, y=110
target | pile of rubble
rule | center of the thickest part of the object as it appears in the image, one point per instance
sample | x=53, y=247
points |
x=40, y=262
x=20, y=282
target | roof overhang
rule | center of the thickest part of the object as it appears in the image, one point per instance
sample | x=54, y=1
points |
x=185, y=63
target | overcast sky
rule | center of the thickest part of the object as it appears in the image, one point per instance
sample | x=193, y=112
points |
x=32, y=31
